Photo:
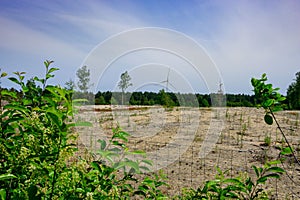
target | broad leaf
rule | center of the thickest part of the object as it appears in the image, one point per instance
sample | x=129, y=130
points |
x=268, y=119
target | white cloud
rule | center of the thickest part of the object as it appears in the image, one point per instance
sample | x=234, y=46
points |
x=252, y=38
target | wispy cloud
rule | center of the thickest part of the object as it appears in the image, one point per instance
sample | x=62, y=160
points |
x=256, y=37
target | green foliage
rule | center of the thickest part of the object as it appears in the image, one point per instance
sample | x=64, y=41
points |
x=35, y=137
x=271, y=100
x=293, y=93
x=184, y=99
x=241, y=187
x=166, y=100
x=112, y=175
x=38, y=143
x=267, y=96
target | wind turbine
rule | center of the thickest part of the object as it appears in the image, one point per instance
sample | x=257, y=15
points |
x=220, y=91
x=167, y=81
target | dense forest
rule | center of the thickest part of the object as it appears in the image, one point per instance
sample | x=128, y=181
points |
x=167, y=99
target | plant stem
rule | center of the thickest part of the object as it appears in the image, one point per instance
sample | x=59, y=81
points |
x=55, y=168
x=278, y=126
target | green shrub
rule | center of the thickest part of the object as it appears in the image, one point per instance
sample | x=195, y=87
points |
x=38, y=141
x=241, y=187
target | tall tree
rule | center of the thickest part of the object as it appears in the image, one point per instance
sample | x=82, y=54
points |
x=124, y=83
x=293, y=93
x=83, y=75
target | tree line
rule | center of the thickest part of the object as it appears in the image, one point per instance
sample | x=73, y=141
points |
x=166, y=98
x=170, y=99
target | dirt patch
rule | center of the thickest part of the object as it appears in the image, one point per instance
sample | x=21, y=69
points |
x=188, y=143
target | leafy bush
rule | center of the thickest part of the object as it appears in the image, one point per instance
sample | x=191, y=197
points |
x=35, y=137
x=38, y=141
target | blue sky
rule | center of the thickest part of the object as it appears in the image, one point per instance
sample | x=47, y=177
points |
x=242, y=38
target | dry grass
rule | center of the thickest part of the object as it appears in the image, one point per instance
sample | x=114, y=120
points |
x=174, y=138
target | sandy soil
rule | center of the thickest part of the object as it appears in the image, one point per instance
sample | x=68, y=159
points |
x=188, y=143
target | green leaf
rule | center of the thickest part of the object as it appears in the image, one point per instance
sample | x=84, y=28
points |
x=47, y=63
x=275, y=169
x=27, y=102
x=121, y=135
x=3, y=74
x=52, y=70
x=133, y=165
x=119, y=165
x=262, y=179
x=79, y=190
x=49, y=76
x=102, y=144
x=234, y=181
x=148, y=162
x=95, y=165
x=7, y=176
x=268, y=102
x=286, y=151
x=107, y=155
x=13, y=119
x=9, y=93
x=256, y=171
x=268, y=119
x=145, y=168
x=282, y=98
x=13, y=79
x=274, y=162
x=16, y=107
x=138, y=152
x=2, y=194
x=116, y=143
x=86, y=124
x=115, y=150
x=254, y=82
x=55, y=116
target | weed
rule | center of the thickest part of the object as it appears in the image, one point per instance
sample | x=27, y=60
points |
x=267, y=140
x=241, y=187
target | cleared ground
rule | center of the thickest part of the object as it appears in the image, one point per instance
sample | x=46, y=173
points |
x=188, y=143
